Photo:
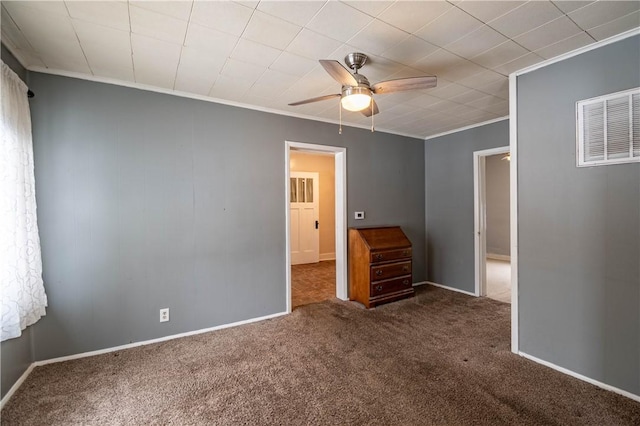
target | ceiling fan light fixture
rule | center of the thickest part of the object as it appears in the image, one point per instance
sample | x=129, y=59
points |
x=355, y=98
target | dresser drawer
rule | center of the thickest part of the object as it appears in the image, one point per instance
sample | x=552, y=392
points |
x=390, y=270
x=387, y=255
x=379, y=288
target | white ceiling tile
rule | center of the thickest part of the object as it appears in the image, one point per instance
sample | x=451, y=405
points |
x=372, y=8
x=155, y=61
x=312, y=45
x=269, y=30
x=289, y=63
x=225, y=16
x=476, y=42
x=271, y=84
x=251, y=4
x=526, y=17
x=197, y=71
x=209, y=40
x=569, y=6
x=447, y=91
x=440, y=63
x=463, y=70
x=255, y=53
x=157, y=25
x=486, y=102
x=468, y=96
x=242, y=71
x=28, y=57
x=449, y=27
x=424, y=101
x=409, y=50
x=47, y=7
x=563, y=46
x=484, y=77
x=104, y=47
x=410, y=16
x=229, y=88
x=11, y=33
x=499, y=89
x=377, y=37
x=519, y=63
x=616, y=26
x=111, y=70
x=296, y=12
x=501, y=54
x=601, y=12
x=378, y=69
x=176, y=9
x=558, y=29
x=500, y=109
x=339, y=21
x=488, y=10
x=108, y=13
x=66, y=62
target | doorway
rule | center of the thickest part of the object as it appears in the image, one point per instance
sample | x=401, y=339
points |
x=492, y=223
x=316, y=265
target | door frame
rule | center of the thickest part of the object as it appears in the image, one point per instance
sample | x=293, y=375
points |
x=479, y=215
x=340, y=174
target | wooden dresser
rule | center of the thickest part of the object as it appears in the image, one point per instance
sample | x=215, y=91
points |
x=379, y=265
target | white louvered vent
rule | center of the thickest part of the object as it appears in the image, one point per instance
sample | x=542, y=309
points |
x=609, y=129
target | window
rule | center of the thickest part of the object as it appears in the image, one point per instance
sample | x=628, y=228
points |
x=609, y=129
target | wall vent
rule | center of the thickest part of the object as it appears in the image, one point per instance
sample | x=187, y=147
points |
x=609, y=129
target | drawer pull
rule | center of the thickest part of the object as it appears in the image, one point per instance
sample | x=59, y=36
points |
x=379, y=257
x=405, y=252
x=378, y=288
x=379, y=272
x=405, y=282
x=405, y=268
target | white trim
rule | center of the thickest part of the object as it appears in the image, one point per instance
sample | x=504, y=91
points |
x=446, y=287
x=471, y=126
x=22, y=378
x=564, y=56
x=181, y=94
x=16, y=385
x=479, y=217
x=513, y=183
x=419, y=283
x=327, y=256
x=340, y=175
x=502, y=257
x=581, y=377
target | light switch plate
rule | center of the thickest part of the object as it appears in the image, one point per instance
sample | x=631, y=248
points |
x=359, y=215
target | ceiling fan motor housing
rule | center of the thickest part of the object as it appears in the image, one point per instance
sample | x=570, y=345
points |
x=355, y=60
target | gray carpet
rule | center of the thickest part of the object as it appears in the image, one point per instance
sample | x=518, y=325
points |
x=441, y=358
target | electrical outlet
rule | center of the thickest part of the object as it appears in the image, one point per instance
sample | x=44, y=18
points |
x=359, y=215
x=164, y=315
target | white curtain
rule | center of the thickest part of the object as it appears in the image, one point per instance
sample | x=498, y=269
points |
x=23, y=297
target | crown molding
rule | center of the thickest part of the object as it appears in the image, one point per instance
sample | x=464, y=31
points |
x=462, y=129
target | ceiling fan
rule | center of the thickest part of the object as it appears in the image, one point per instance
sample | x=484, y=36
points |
x=357, y=92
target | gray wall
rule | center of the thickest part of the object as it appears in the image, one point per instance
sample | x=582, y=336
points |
x=498, y=209
x=579, y=228
x=15, y=354
x=148, y=201
x=449, y=210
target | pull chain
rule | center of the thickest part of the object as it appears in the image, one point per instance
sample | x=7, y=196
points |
x=372, y=115
x=340, y=107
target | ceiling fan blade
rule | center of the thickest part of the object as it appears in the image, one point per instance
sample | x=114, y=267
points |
x=401, y=84
x=367, y=112
x=338, y=72
x=319, y=98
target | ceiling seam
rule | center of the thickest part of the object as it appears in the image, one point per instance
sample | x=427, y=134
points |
x=184, y=41
x=133, y=62
x=78, y=39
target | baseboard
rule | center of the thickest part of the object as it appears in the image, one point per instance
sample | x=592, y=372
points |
x=504, y=257
x=327, y=256
x=419, y=283
x=24, y=376
x=452, y=289
x=16, y=385
x=152, y=341
x=581, y=377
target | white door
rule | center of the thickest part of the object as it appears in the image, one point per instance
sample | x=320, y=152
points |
x=303, y=192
